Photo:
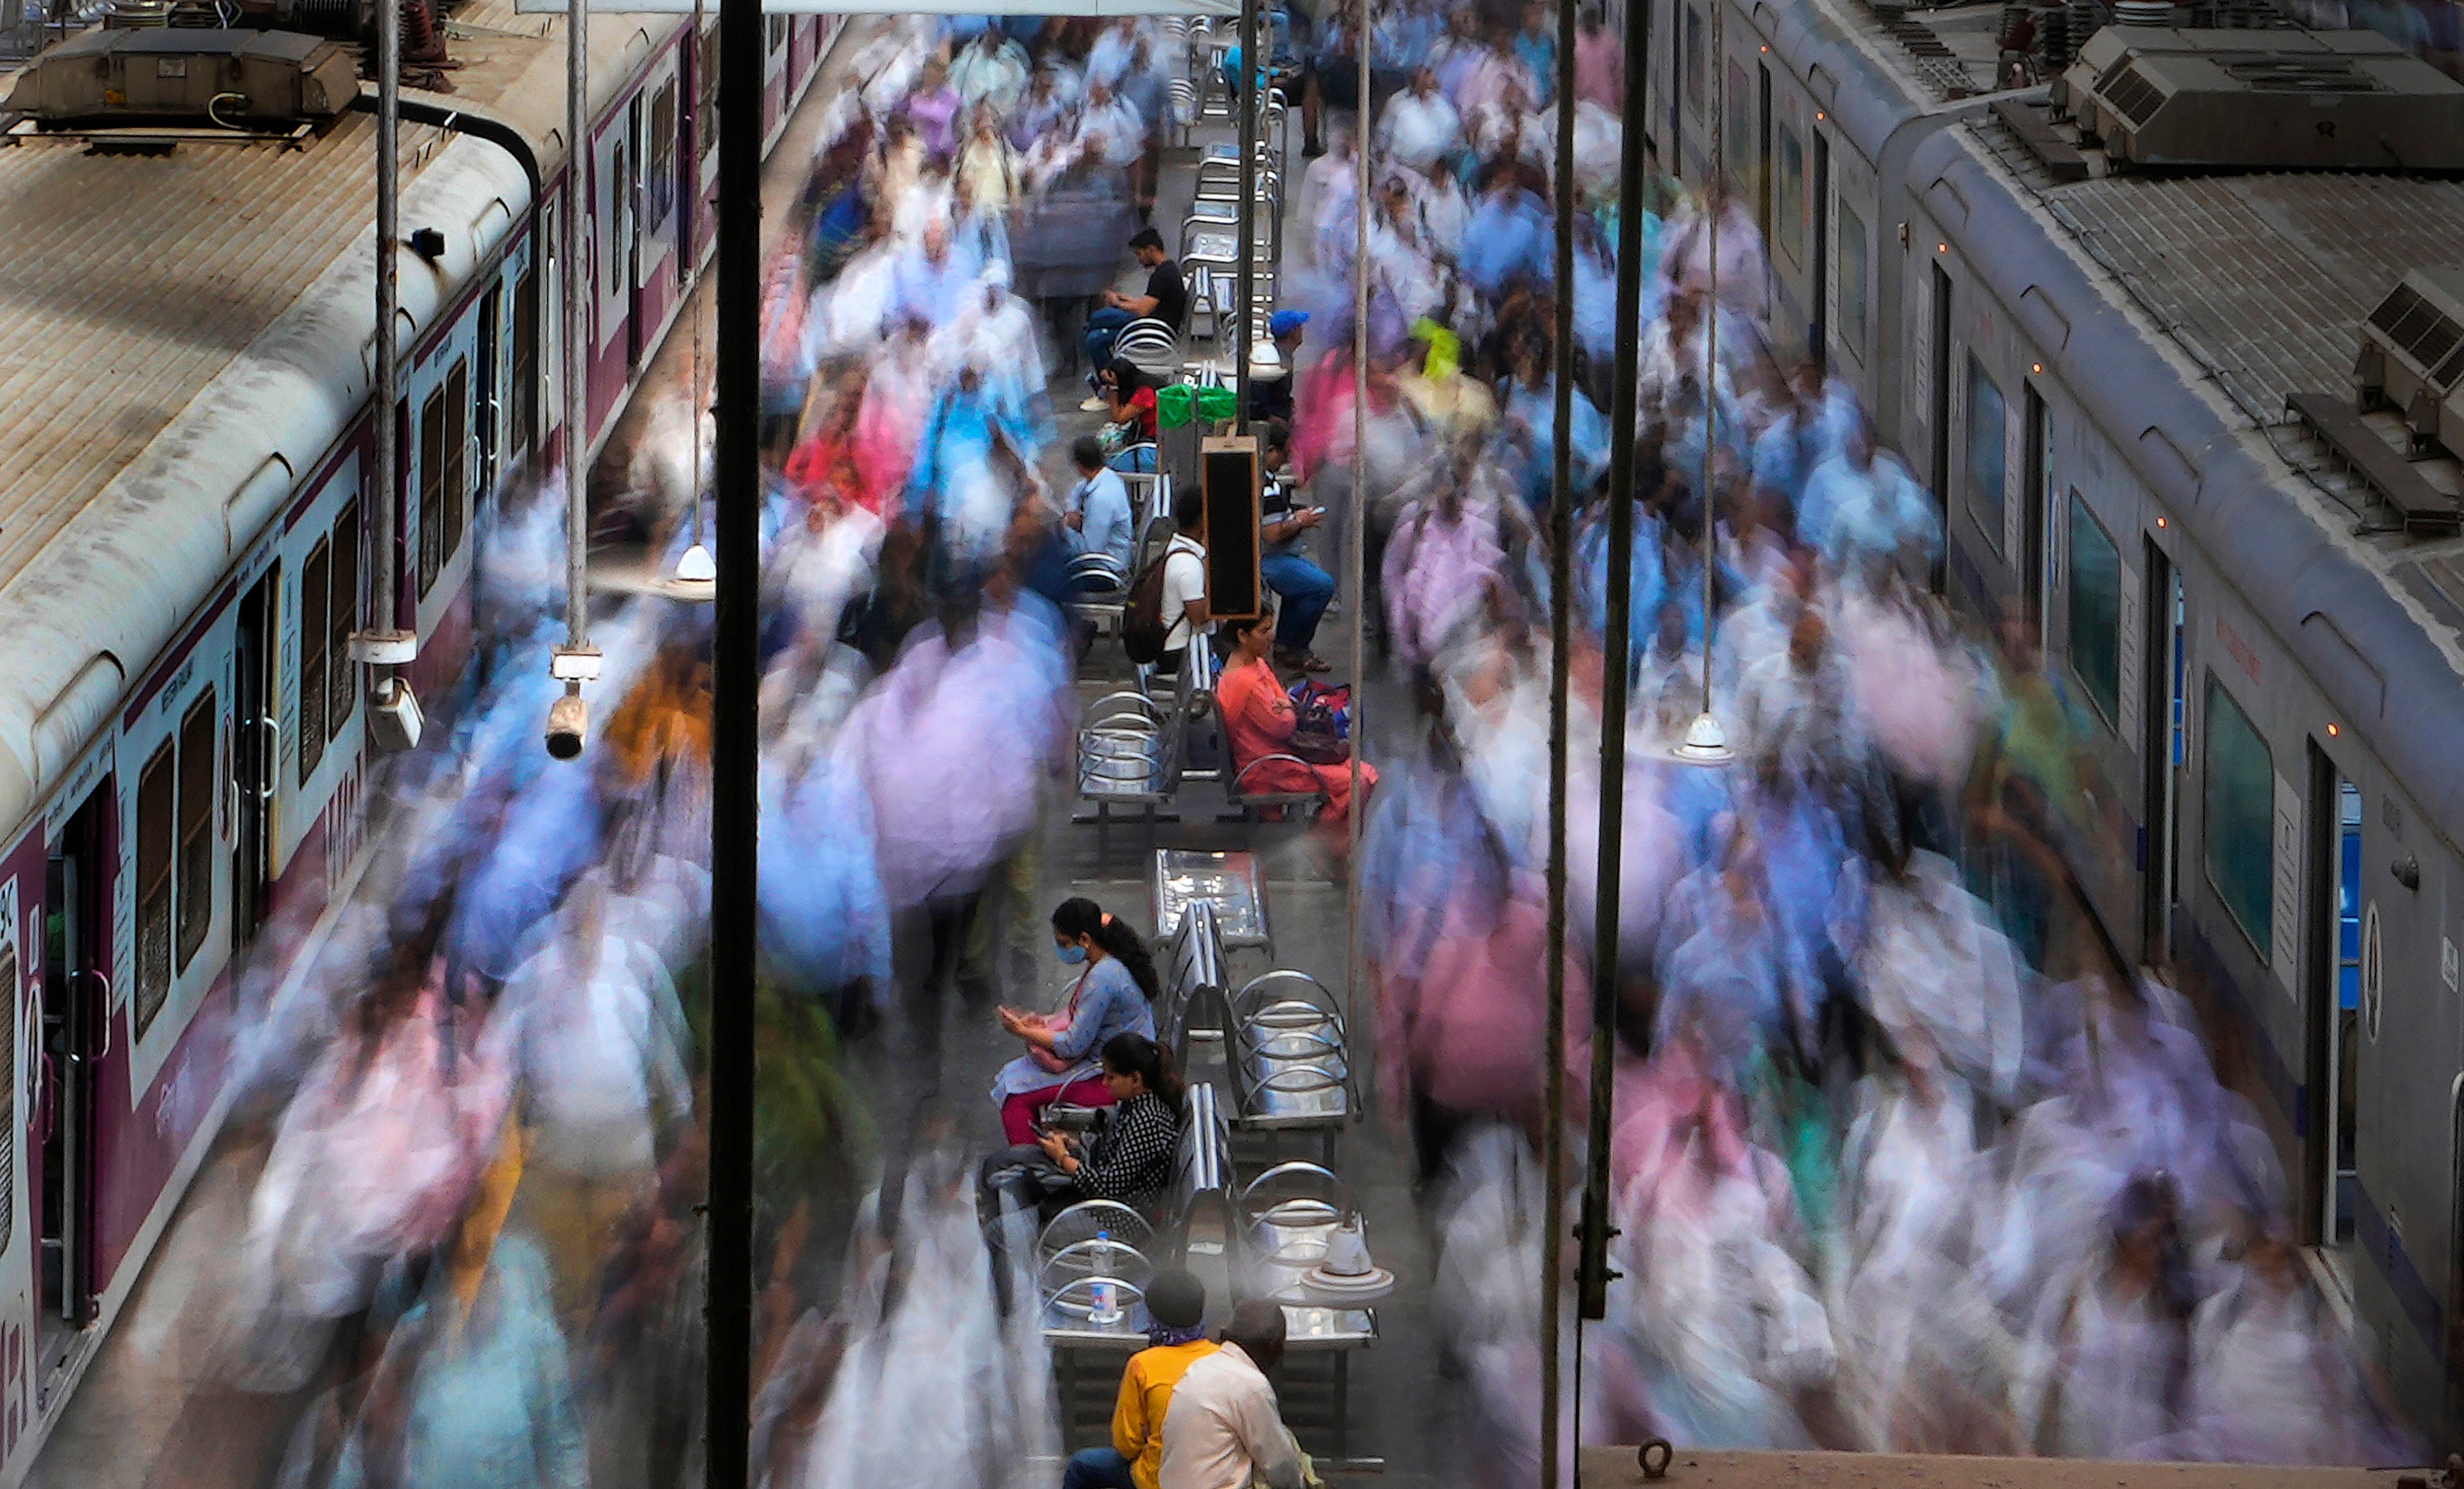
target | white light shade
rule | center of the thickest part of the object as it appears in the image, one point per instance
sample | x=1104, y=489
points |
x=697, y=566
x=1706, y=743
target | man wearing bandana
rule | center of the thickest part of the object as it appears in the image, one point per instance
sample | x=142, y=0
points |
x=1176, y=1340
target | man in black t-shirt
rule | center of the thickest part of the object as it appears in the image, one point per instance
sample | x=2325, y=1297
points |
x=1166, y=300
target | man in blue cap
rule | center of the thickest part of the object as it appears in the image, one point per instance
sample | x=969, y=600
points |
x=1272, y=397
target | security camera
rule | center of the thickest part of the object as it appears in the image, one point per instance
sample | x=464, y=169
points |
x=568, y=725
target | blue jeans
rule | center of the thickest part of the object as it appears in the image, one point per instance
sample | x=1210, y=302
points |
x=1103, y=329
x=1304, y=588
x=1097, y=1467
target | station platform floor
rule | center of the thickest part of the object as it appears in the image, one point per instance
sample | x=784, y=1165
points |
x=155, y=1409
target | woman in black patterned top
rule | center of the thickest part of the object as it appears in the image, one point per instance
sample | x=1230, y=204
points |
x=1127, y=1155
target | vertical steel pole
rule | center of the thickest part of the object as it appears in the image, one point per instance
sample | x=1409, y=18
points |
x=734, y=746
x=1246, y=81
x=1711, y=329
x=1355, y=534
x=1561, y=581
x=388, y=480
x=575, y=246
x=1592, y=1280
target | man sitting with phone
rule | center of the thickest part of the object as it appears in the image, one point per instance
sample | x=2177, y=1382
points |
x=1301, y=586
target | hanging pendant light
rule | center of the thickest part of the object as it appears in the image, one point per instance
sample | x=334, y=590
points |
x=1706, y=742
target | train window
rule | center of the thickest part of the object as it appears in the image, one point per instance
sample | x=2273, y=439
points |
x=343, y=611
x=522, y=409
x=1791, y=209
x=431, y=490
x=778, y=34
x=706, y=90
x=662, y=182
x=2095, y=610
x=2239, y=816
x=457, y=456
x=1853, y=272
x=196, y=846
x=1697, y=75
x=156, y=791
x=1986, y=442
x=315, y=622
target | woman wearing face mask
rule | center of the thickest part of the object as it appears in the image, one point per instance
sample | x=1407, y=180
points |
x=1115, y=994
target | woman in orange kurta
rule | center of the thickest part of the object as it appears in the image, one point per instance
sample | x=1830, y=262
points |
x=1258, y=716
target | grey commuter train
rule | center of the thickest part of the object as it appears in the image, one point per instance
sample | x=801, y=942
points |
x=2091, y=364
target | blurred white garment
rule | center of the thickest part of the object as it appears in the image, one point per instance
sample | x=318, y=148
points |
x=1940, y=975
x=602, y=1041
x=1419, y=129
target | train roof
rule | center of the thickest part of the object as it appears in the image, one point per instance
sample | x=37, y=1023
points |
x=2181, y=309
x=184, y=336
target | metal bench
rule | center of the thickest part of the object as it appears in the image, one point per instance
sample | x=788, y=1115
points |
x=1149, y=346
x=1284, y=1219
x=1247, y=801
x=1129, y=755
x=1099, y=591
x=1096, y=1258
x=1231, y=883
x=1289, y=1059
x=1193, y=1004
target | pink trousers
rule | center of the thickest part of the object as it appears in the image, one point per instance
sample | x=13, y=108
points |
x=1019, y=1112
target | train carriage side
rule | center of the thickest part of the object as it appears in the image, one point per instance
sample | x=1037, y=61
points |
x=2278, y=776
x=2261, y=717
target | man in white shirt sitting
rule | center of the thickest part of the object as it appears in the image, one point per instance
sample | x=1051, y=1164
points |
x=1223, y=1428
x=1185, y=581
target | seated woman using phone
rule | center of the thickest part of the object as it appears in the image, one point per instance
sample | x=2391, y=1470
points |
x=1261, y=721
x=1113, y=995
x=1127, y=1155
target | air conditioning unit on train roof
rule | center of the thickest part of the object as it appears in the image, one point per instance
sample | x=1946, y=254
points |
x=2263, y=100
x=2412, y=355
x=225, y=80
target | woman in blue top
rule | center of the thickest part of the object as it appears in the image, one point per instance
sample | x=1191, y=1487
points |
x=1115, y=995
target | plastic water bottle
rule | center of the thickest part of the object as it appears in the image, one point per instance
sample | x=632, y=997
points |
x=1106, y=1310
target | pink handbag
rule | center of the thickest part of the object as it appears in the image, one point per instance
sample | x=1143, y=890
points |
x=1058, y=1024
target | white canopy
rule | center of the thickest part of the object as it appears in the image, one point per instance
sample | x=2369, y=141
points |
x=1098, y=8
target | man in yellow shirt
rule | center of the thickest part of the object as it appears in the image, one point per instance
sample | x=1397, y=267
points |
x=1176, y=1340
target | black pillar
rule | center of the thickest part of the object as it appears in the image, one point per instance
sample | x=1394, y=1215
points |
x=734, y=746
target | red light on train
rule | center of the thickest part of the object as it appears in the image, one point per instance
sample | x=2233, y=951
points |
x=2160, y=521
x=2333, y=731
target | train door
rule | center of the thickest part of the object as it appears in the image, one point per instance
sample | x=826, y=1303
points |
x=489, y=407
x=2034, y=516
x=2341, y=993
x=2162, y=751
x=1763, y=148
x=255, y=758
x=75, y=1020
x=1820, y=278
x=1937, y=357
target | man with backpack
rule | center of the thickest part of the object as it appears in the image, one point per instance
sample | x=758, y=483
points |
x=1167, y=607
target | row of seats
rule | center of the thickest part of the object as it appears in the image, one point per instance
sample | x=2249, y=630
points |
x=1135, y=749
